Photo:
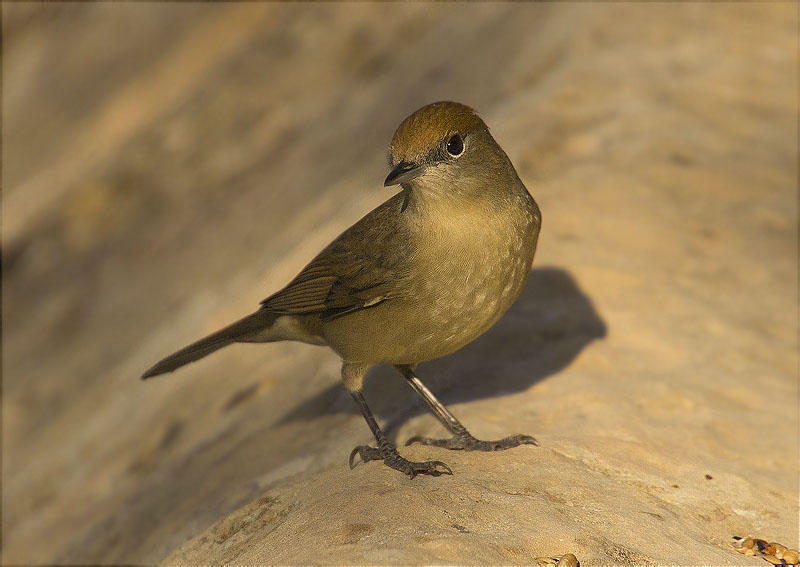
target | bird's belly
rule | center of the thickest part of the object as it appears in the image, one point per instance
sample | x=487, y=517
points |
x=467, y=304
x=443, y=310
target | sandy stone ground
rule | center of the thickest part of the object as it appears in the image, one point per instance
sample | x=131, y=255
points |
x=167, y=166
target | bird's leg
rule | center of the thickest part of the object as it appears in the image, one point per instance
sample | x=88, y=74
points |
x=386, y=450
x=461, y=439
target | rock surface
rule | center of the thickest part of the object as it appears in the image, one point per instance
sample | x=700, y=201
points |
x=167, y=166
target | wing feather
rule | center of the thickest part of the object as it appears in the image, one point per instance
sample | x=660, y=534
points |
x=353, y=272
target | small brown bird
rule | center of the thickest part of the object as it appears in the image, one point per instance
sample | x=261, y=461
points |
x=417, y=278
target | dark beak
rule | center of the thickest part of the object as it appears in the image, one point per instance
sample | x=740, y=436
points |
x=402, y=173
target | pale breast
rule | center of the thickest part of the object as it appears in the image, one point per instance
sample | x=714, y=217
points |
x=476, y=279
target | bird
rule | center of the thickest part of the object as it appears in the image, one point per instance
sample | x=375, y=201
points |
x=417, y=278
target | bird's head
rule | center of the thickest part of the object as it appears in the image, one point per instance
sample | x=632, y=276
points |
x=445, y=146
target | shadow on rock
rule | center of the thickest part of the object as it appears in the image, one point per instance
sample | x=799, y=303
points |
x=545, y=329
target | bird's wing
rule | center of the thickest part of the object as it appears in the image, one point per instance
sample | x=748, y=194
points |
x=318, y=289
x=359, y=269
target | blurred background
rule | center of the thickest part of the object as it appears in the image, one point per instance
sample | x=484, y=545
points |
x=167, y=166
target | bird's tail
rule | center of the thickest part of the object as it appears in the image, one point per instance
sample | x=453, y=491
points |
x=239, y=331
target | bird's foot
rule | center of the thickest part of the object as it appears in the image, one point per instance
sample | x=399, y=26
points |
x=463, y=440
x=388, y=453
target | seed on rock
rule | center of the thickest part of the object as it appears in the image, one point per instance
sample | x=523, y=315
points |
x=568, y=560
x=791, y=557
x=772, y=559
x=779, y=549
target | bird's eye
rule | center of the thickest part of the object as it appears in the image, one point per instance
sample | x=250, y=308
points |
x=455, y=145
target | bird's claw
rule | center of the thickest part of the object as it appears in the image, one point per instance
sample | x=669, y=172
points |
x=366, y=453
x=392, y=458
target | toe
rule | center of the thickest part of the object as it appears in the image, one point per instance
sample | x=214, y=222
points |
x=366, y=453
x=520, y=439
x=432, y=468
x=440, y=468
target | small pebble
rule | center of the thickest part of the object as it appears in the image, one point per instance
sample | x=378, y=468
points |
x=746, y=543
x=772, y=559
x=566, y=560
x=779, y=550
x=791, y=557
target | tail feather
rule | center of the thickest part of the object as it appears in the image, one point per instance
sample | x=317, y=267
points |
x=236, y=332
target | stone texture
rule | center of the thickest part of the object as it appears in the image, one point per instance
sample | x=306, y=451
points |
x=167, y=166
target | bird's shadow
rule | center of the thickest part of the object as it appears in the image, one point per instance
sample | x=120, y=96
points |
x=545, y=329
